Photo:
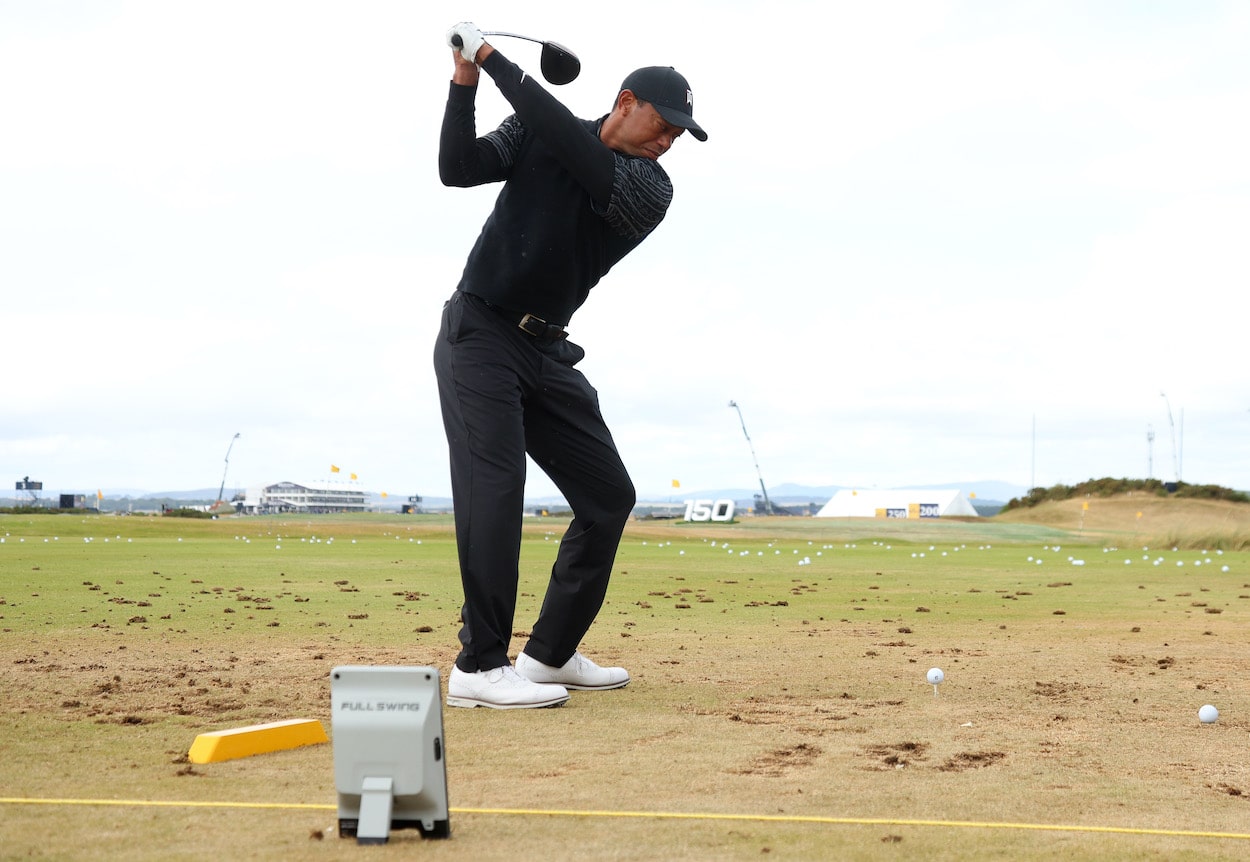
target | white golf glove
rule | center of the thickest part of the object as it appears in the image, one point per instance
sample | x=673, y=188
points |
x=471, y=40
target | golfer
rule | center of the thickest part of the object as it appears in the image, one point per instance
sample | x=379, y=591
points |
x=577, y=196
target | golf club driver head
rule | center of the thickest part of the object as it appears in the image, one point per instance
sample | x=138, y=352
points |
x=559, y=65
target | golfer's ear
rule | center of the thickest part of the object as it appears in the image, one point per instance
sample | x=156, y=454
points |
x=626, y=101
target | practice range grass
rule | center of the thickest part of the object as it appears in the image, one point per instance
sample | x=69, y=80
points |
x=778, y=706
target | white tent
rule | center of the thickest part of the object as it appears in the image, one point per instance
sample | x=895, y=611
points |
x=898, y=503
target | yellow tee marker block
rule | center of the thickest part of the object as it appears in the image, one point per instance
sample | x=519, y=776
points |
x=256, y=739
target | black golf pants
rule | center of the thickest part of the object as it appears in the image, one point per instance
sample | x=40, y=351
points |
x=505, y=394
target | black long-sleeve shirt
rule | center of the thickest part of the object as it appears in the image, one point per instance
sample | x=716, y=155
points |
x=570, y=207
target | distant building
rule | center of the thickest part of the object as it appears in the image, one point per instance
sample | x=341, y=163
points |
x=315, y=498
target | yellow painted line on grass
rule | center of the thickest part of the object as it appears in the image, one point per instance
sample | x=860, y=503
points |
x=863, y=821
x=667, y=815
x=166, y=803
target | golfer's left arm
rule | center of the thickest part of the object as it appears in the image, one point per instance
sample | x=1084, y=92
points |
x=590, y=162
x=632, y=194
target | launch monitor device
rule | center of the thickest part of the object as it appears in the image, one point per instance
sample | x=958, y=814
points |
x=389, y=756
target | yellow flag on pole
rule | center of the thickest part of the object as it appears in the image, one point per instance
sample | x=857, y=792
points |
x=676, y=484
x=353, y=477
x=333, y=469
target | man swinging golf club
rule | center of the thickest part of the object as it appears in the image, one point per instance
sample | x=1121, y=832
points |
x=577, y=196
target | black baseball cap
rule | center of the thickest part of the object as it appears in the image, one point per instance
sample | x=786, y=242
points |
x=669, y=92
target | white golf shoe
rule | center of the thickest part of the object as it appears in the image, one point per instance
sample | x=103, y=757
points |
x=501, y=688
x=578, y=673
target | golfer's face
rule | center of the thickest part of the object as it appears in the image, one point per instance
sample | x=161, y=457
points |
x=646, y=133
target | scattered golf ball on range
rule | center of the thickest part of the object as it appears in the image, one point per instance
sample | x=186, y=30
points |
x=935, y=676
x=1208, y=714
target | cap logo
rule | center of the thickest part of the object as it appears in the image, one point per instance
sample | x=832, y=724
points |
x=690, y=99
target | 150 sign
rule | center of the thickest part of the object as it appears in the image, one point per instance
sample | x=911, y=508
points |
x=709, y=510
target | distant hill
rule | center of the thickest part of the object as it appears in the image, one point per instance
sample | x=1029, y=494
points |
x=1141, y=520
x=1108, y=486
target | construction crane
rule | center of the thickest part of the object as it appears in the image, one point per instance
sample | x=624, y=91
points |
x=222, y=489
x=768, y=505
x=1176, y=464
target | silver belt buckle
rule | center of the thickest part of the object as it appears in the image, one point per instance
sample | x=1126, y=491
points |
x=531, y=320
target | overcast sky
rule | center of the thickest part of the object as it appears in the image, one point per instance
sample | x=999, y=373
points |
x=918, y=231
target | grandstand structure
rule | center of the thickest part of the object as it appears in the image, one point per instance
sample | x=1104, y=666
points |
x=313, y=498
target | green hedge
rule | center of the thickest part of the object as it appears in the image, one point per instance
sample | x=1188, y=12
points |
x=1108, y=487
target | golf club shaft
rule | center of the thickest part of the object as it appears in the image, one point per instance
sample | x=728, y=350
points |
x=459, y=43
x=513, y=35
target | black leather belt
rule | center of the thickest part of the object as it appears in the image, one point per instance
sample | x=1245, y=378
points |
x=531, y=324
x=540, y=328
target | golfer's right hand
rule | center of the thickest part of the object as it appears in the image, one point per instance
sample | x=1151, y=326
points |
x=470, y=40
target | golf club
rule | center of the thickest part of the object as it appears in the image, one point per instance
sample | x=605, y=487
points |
x=559, y=65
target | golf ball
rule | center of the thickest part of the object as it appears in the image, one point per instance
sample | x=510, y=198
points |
x=935, y=675
x=1208, y=714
